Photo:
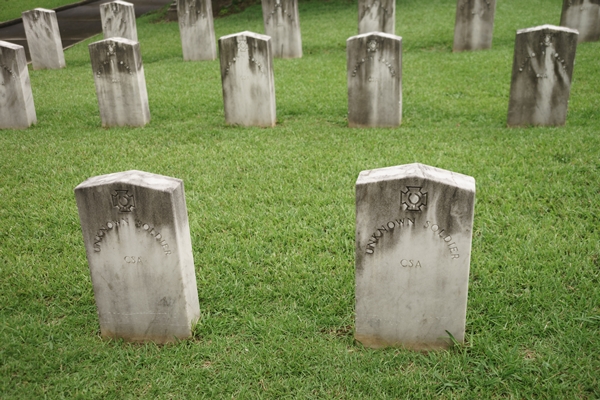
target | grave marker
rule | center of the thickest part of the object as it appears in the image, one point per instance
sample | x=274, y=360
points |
x=584, y=16
x=16, y=100
x=43, y=39
x=196, y=29
x=118, y=20
x=377, y=16
x=282, y=24
x=474, y=26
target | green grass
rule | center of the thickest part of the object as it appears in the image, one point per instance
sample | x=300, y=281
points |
x=272, y=222
x=11, y=9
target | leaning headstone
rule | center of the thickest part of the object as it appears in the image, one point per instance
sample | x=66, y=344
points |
x=282, y=23
x=377, y=16
x=137, y=240
x=247, y=78
x=414, y=225
x=584, y=16
x=120, y=82
x=43, y=39
x=374, y=63
x=474, y=26
x=118, y=20
x=196, y=30
x=16, y=100
x=541, y=76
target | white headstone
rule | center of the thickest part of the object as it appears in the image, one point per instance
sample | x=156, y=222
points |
x=118, y=20
x=16, y=100
x=474, y=26
x=541, y=76
x=248, y=80
x=43, y=39
x=583, y=15
x=137, y=240
x=282, y=23
x=377, y=16
x=374, y=63
x=414, y=225
x=120, y=82
x=196, y=30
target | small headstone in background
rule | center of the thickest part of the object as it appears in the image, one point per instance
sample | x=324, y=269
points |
x=282, y=23
x=377, y=16
x=137, y=240
x=16, y=100
x=583, y=15
x=374, y=63
x=196, y=30
x=414, y=225
x=120, y=82
x=474, y=26
x=248, y=81
x=43, y=39
x=118, y=20
x=541, y=76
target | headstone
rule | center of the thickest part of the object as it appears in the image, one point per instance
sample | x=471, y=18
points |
x=541, y=76
x=120, y=82
x=118, y=20
x=474, y=26
x=248, y=80
x=43, y=39
x=377, y=16
x=374, y=80
x=16, y=100
x=196, y=30
x=137, y=240
x=584, y=16
x=282, y=23
x=414, y=225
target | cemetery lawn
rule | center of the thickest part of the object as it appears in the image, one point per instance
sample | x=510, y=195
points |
x=272, y=222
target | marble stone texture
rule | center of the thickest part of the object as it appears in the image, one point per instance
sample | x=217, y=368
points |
x=137, y=240
x=282, y=22
x=197, y=30
x=541, y=76
x=414, y=225
x=374, y=62
x=248, y=81
x=584, y=16
x=43, y=39
x=474, y=26
x=377, y=16
x=16, y=99
x=120, y=82
x=118, y=20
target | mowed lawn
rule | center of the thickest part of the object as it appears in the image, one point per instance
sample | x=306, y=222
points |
x=272, y=222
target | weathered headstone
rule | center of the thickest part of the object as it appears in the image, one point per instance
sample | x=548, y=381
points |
x=282, y=23
x=43, y=39
x=120, y=82
x=248, y=80
x=16, y=100
x=137, y=240
x=541, y=76
x=374, y=80
x=474, y=26
x=118, y=20
x=377, y=16
x=414, y=225
x=196, y=30
x=583, y=15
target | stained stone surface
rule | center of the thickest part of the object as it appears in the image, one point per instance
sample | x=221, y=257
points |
x=197, y=30
x=282, y=23
x=248, y=80
x=474, y=26
x=541, y=76
x=43, y=39
x=118, y=20
x=120, y=82
x=414, y=225
x=376, y=16
x=374, y=62
x=583, y=15
x=16, y=100
x=137, y=240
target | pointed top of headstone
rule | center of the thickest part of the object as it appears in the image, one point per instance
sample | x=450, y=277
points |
x=418, y=171
x=247, y=33
x=136, y=178
x=548, y=27
x=10, y=45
